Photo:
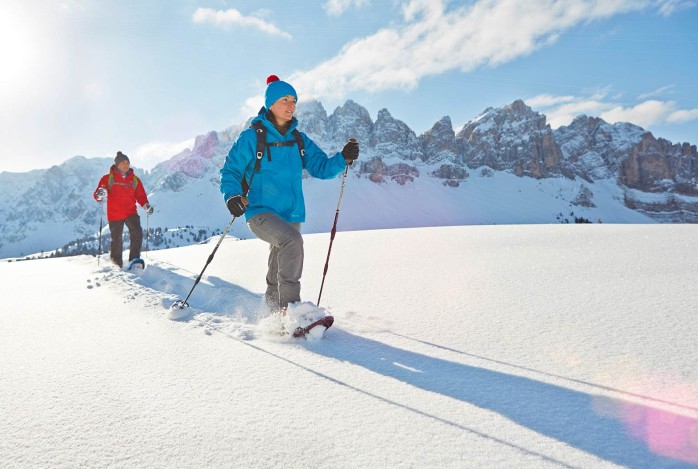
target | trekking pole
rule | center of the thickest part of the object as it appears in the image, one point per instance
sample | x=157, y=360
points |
x=334, y=230
x=147, y=233
x=183, y=303
x=101, y=221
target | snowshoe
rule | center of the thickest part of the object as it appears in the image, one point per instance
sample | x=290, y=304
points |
x=325, y=322
x=136, y=265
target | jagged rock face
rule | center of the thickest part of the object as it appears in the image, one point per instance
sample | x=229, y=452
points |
x=60, y=195
x=668, y=172
x=594, y=149
x=656, y=165
x=513, y=138
x=664, y=207
x=350, y=121
x=439, y=143
x=395, y=147
x=379, y=172
x=451, y=174
x=584, y=198
x=204, y=159
x=640, y=163
x=392, y=138
x=313, y=119
x=64, y=186
x=193, y=163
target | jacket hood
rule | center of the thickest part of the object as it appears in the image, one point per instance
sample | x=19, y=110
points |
x=262, y=117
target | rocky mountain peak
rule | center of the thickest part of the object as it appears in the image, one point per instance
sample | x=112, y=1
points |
x=513, y=138
x=439, y=143
x=313, y=118
x=655, y=165
x=206, y=154
x=648, y=175
x=350, y=121
x=519, y=108
x=206, y=146
x=392, y=138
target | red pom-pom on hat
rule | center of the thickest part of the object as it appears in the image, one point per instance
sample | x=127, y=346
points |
x=272, y=78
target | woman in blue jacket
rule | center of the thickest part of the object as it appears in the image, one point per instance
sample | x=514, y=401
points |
x=274, y=204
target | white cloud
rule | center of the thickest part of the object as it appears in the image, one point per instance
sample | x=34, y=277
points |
x=338, y=7
x=232, y=17
x=669, y=7
x=436, y=36
x=148, y=155
x=645, y=114
x=564, y=113
x=252, y=105
x=434, y=39
x=682, y=116
x=657, y=92
x=561, y=110
x=546, y=100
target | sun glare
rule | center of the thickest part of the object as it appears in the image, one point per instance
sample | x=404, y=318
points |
x=19, y=50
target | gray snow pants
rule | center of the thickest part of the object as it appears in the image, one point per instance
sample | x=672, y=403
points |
x=135, y=233
x=285, y=258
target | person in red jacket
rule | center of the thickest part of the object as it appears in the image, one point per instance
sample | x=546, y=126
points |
x=123, y=189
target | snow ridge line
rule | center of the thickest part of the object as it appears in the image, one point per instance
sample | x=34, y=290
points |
x=532, y=370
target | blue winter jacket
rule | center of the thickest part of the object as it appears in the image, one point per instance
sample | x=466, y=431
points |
x=277, y=187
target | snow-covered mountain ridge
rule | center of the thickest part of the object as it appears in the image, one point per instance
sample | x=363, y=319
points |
x=507, y=165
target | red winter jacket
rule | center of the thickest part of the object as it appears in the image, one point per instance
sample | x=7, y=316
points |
x=123, y=194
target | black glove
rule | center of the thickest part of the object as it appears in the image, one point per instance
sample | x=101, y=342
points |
x=236, y=205
x=148, y=209
x=350, y=152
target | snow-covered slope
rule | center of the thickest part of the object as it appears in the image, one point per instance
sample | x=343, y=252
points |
x=484, y=346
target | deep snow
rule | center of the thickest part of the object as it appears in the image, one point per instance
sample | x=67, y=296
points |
x=487, y=346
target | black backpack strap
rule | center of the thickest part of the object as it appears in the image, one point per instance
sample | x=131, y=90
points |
x=261, y=133
x=299, y=141
x=262, y=145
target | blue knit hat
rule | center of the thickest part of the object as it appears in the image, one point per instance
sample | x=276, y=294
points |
x=277, y=89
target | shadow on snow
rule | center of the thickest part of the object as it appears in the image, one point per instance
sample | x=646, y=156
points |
x=211, y=295
x=616, y=430
x=613, y=429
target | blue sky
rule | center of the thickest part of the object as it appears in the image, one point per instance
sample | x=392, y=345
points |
x=90, y=77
